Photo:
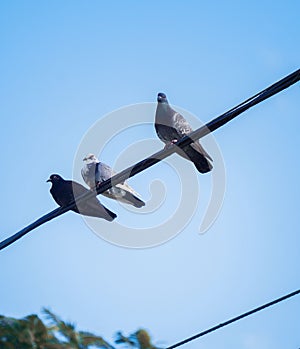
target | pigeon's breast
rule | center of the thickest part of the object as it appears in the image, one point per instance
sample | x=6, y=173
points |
x=89, y=174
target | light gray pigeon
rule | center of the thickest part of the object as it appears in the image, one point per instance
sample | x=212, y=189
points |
x=170, y=126
x=95, y=172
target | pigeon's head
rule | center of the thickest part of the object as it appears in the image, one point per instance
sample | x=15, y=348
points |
x=54, y=178
x=90, y=158
x=162, y=98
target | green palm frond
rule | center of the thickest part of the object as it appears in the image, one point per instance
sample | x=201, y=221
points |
x=66, y=329
x=31, y=332
x=89, y=339
x=121, y=339
x=49, y=315
x=27, y=333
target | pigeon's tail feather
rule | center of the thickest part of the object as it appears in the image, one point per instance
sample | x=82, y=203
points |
x=201, y=162
x=132, y=199
x=204, y=166
x=110, y=215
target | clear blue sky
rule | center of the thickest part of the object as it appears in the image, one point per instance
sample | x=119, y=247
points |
x=65, y=64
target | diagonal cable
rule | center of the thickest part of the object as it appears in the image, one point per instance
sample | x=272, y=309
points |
x=237, y=318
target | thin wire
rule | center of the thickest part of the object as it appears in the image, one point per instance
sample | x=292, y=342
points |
x=237, y=318
x=155, y=158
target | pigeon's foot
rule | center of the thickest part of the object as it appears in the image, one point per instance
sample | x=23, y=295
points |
x=97, y=186
x=170, y=144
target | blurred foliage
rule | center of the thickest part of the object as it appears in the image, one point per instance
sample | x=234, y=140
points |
x=31, y=332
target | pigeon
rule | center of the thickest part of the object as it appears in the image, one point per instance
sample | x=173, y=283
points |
x=170, y=126
x=95, y=172
x=64, y=192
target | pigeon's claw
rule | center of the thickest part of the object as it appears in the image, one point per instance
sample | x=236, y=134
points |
x=170, y=144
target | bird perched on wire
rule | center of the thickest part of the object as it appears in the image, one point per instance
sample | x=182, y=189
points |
x=95, y=172
x=64, y=192
x=170, y=126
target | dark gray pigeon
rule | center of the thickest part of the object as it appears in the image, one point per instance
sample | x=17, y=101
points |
x=170, y=126
x=63, y=193
x=95, y=172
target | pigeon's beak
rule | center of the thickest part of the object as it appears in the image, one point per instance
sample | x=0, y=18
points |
x=84, y=159
x=48, y=180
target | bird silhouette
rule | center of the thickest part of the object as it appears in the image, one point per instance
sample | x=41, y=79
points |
x=65, y=191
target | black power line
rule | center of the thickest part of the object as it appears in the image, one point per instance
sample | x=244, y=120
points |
x=237, y=318
x=155, y=158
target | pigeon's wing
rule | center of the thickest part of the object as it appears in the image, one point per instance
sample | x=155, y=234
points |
x=127, y=188
x=129, y=198
x=104, y=172
x=181, y=125
x=174, y=127
x=184, y=128
x=77, y=188
x=91, y=207
x=124, y=193
x=121, y=191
